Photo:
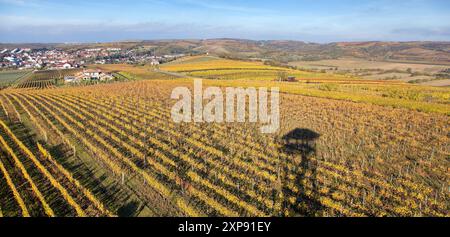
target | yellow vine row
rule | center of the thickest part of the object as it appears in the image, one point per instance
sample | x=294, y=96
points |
x=44, y=171
x=70, y=177
x=24, y=172
x=17, y=196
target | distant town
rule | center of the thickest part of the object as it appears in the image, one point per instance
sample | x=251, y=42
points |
x=27, y=58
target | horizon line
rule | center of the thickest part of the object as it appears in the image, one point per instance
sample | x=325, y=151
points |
x=226, y=38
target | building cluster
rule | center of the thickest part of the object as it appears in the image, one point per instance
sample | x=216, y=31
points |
x=89, y=75
x=37, y=58
x=26, y=58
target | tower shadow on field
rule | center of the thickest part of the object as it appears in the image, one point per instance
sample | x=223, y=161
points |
x=129, y=209
x=300, y=143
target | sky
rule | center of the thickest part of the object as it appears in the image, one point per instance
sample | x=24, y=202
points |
x=322, y=21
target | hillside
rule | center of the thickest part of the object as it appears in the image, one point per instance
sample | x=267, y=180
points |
x=282, y=50
x=297, y=50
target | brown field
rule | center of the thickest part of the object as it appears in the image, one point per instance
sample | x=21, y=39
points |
x=350, y=63
x=377, y=70
x=445, y=82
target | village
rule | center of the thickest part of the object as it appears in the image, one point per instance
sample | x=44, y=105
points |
x=27, y=58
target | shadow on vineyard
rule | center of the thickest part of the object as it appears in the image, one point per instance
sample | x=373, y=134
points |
x=130, y=209
x=301, y=142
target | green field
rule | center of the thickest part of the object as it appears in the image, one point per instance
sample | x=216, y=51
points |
x=45, y=78
x=8, y=78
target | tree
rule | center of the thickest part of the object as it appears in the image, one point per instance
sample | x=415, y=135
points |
x=282, y=75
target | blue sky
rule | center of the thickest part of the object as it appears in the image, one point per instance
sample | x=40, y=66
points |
x=306, y=20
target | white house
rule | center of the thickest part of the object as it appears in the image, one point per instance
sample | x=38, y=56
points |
x=67, y=66
x=95, y=74
x=91, y=74
x=154, y=62
x=69, y=79
x=106, y=77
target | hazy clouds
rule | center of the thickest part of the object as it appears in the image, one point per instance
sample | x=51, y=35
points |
x=320, y=21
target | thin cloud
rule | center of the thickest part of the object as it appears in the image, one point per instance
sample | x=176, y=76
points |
x=94, y=32
x=423, y=31
x=151, y=19
x=211, y=4
x=20, y=3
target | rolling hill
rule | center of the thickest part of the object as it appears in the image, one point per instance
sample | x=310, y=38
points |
x=283, y=50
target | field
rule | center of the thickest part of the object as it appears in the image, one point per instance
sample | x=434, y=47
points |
x=350, y=63
x=378, y=92
x=132, y=72
x=45, y=79
x=8, y=78
x=423, y=72
x=224, y=69
x=346, y=147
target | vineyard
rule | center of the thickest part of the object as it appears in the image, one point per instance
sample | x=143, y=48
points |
x=132, y=72
x=323, y=85
x=225, y=69
x=39, y=185
x=113, y=150
x=45, y=79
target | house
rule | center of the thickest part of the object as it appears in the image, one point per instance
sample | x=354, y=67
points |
x=106, y=77
x=154, y=62
x=66, y=66
x=94, y=74
x=91, y=74
x=70, y=79
x=94, y=50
